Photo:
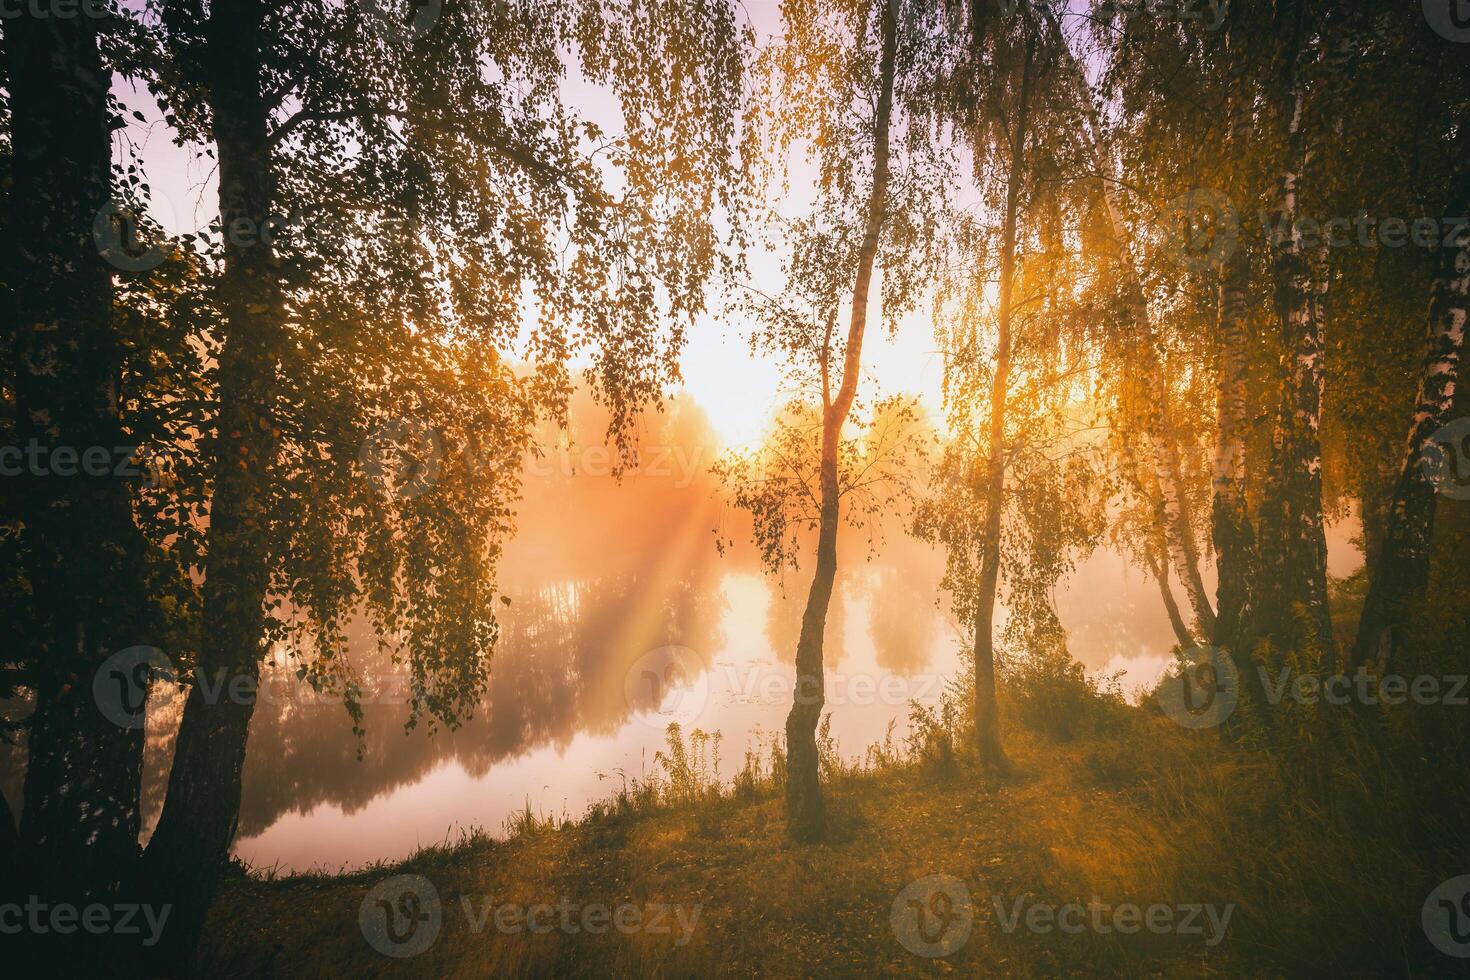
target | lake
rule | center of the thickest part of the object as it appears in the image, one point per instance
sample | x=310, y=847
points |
x=624, y=616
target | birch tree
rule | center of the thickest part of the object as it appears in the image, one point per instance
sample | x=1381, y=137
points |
x=1293, y=611
x=843, y=80
x=1018, y=496
x=1399, y=571
x=1155, y=422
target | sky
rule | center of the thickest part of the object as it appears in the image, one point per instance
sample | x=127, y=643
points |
x=739, y=389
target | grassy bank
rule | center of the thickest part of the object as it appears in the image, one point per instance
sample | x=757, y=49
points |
x=1322, y=873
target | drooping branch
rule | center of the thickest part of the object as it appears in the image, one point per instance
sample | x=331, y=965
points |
x=1179, y=524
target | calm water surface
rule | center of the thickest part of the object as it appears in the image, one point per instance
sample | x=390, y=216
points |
x=588, y=674
x=624, y=616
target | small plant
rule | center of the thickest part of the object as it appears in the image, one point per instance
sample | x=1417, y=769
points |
x=885, y=754
x=693, y=772
x=1053, y=695
x=936, y=731
x=829, y=758
x=525, y=823
x=758, y=777
x=931, y=737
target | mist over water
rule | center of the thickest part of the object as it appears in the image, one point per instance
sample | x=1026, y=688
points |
x=602, y=573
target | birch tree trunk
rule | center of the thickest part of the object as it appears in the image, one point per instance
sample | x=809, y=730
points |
x=197, y=825
x=806, y=818
x=987, y=724
x=1159, y=569
x=82, y=550
x=1178, y=519
x=1233, y=536
x=1293, y=541
x=1401, y=570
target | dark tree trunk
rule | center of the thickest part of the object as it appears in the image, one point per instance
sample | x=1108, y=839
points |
x=82, y=548
x=201, y=808
x=1159, y=569
x=1374, y=498
x=1401, y=570
x=805, y=809
x=9, y=847
x=1233, y=535
x=987, y=723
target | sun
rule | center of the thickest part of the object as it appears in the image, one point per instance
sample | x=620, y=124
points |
x=737, y=390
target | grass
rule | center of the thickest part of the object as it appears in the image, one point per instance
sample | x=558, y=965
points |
x=1324, y=863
